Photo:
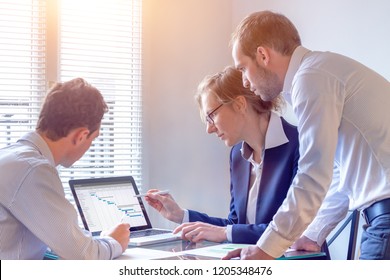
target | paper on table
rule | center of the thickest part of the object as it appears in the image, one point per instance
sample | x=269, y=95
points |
x=146, y=254
x=216, y=251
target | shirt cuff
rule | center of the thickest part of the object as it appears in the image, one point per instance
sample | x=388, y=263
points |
x=186, y=217
x=318, y=235
x=314, y=236
x=272, y=243
x=229, y=233
x=116, y=248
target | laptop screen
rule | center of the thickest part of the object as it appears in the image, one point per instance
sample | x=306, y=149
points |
x=105, y=202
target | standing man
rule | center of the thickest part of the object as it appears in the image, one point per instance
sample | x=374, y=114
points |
x=343, y=116
x=34, y=213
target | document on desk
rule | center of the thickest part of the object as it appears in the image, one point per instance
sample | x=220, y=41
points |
x=220, y=250
x=215, y=251
x=139, y=253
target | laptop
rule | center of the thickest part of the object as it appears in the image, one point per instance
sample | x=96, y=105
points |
x=104, y=202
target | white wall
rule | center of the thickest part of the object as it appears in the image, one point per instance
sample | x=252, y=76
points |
x=184, y=41
x=187, y=39
x=356, y=28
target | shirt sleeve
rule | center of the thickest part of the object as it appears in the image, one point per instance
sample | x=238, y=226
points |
x=52, y=218
x=229, y=233
x=334, y=208
x=186, y=216
x=317, y=101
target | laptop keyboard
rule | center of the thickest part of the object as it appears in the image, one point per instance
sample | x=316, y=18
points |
x=148, y=232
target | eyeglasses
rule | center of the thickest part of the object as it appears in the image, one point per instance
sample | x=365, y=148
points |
x=210, y=116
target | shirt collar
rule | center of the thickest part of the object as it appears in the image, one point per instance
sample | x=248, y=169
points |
x=37, y=141
x=293, y=67
x=274, y=137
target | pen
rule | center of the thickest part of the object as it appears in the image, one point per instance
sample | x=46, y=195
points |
x=126, y=218
x=145, y=194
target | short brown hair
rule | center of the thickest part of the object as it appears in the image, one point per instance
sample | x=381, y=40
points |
x=227, y=85
x=71, y=105
x=266, y=29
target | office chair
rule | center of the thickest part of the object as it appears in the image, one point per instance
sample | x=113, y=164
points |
x=353, y=235
x=353, y=218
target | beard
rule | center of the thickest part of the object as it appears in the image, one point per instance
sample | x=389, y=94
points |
x=267, y=84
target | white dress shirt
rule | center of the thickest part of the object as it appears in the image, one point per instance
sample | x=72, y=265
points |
x=274, y=137
x=34, y=213
x=256, y=171
x=342, y=108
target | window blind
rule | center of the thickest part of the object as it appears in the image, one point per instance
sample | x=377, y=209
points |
x=22, y=66
x=100, y=41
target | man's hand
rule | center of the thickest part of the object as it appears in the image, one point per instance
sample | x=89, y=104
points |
x=120, y=233
x=306, y=244
x=248, y=253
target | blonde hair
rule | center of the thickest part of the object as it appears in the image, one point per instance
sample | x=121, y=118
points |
x=226, y=86
x=266, y=29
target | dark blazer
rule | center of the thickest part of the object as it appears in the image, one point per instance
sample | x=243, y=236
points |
x=279, y=167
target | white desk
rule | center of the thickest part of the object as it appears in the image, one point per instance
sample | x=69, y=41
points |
x=184, y=250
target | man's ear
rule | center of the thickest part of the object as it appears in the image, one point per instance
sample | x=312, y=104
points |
x=79, y=135
x=262, y=55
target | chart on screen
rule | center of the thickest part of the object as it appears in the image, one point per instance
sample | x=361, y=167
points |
x=105, y=207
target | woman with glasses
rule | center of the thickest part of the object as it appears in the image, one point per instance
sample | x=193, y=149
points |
x=263, y=162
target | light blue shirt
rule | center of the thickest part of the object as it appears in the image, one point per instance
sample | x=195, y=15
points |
x=34, y=213
x=343, y=114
